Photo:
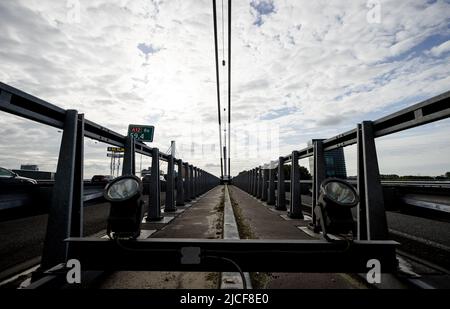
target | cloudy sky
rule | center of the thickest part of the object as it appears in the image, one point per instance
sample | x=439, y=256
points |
x=300, y=70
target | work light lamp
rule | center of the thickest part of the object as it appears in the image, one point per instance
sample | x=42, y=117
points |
x=333, y=211
x=126, y=211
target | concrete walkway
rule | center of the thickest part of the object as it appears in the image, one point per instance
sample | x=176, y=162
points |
x=263, y=222
x=203, y=219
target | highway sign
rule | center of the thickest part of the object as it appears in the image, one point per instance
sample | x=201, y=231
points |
x=141, y=133
x=116, y=149
x=114, y=155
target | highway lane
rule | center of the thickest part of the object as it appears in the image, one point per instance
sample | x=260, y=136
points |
x=22, y=239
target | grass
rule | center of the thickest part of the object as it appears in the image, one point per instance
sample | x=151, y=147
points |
x=259, y=279
x=215, y=277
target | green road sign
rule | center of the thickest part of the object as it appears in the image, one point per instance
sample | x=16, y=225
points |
x=141, y=133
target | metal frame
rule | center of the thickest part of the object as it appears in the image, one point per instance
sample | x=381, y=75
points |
x=66, y=211
x=370, y=213
x=169, y=254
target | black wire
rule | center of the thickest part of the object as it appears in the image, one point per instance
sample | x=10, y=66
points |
x=244, y=282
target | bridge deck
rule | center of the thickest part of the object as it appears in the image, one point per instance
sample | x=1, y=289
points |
x=202, y=220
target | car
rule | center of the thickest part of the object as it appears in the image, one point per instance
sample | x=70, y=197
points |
x=9, y=177
x=147, y=177
x=146, y=182
x=101, y=178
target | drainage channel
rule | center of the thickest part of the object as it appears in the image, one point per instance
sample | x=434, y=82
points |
x=231, y=280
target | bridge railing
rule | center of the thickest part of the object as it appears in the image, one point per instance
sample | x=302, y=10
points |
x=268, y=182
x=66, y=208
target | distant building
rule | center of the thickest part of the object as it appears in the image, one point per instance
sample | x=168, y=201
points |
x=334, y=163
x=29, y=167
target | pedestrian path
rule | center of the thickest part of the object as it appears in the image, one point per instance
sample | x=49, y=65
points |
x=264, y=222
x=201, y=219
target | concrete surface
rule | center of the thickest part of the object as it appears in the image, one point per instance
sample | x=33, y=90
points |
x=267, y=224
x=204, y=219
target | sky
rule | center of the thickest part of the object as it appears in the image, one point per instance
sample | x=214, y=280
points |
x=300, y=70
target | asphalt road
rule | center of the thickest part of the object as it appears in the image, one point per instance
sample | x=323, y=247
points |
x=22, y=239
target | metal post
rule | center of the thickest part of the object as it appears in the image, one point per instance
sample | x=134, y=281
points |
x=195, y=181
x=191, y=181
x=154, y=196
x=249, y=181
x=361, y=229
x=265, y=184
x=202, y=181
x=258, y=182
x=170, y=205
x=295, y=209
x=180, y=186
x=318, y=173
x=187, y=180
x=128, y=167
x=59, y=221
x=261, y=183
x=255, y=182
x=271, y=193
x=78, y=188
x=281, y=192
x=374, y=202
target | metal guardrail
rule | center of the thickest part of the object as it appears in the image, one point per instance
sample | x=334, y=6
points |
x=64, y=230
x=66, y=209
x=371, y=217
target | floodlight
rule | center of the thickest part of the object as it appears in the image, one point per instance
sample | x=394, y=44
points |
x=333, y=210
x=126, y=212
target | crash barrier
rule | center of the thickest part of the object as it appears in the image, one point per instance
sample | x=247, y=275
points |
x=267, y=182
x=66, y=207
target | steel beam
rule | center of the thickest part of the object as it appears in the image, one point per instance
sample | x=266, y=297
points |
x=59, y=218
x=281, y=191
x=295, y=209
x=271, y=188
x=170, y=254
x=375, y=211
x=170, y=203
x=187, y=177
x=154, y=198
x=191, y=182
x=319, y=173
x=78, y=186
x=361, y=216
x=128, y=166
x=258, y=182
x=180, y=184
x=265, y=185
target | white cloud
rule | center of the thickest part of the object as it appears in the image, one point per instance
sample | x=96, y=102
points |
x=321, y=62
x=441, y=49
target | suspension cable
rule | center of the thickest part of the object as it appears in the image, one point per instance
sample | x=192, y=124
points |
x=229, y=88
x=218, y=83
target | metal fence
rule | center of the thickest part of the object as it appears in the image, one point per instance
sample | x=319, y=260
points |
x=66, y=210
x=268, y=183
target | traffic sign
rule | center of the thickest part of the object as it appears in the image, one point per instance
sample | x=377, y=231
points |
x=141, y=132
x=116, y=149
x=114, y=155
